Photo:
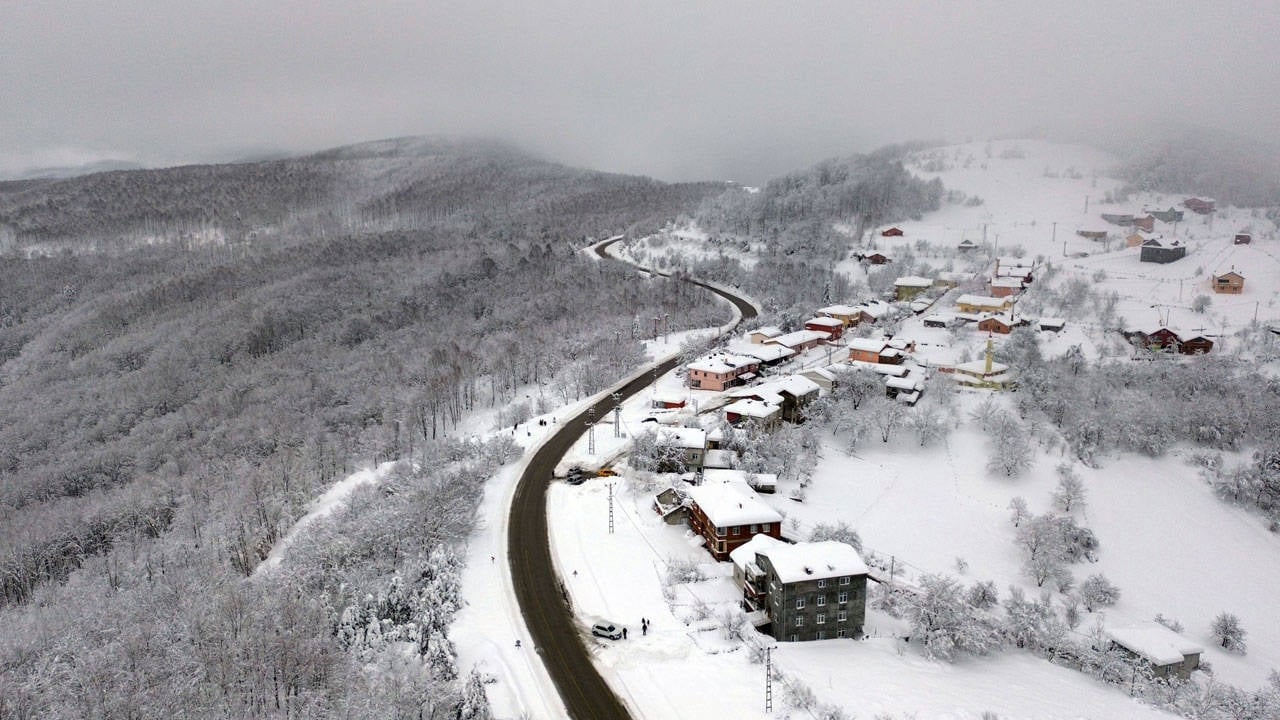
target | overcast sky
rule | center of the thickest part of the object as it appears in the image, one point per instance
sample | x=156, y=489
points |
x=678, y=90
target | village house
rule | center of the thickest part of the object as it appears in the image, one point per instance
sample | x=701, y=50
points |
x=805, y=591
x=669, y=400
x=980, y=304
x=764, y=334
x=1118, y=219
x=1168, y=653
x=769, y=355
x=1155, y=251
x=721, y=371
x=716, y=459
x=1243, y=238
x=874, y=311
x=878, y=351
x=940, y=320
x=1015, y=268
x=966, y=245
x=1172, y=215
x=846, y=314
x=1147, y=223
x=791, y=394
x=1007, y=286
x=892, y=232
x=1092, y=234
x=1228, y=283
x=907, y=288
x=800, y=340
x=1001, y=324
x=1200, y=206
x=1167, y=340
x=727, y=515
x=875, y=258
x=1051, y=324
x=906, y=390
x=751, y=410
x=1135, y=239
x=687, y=447
x=824, y=378
x=831, y=326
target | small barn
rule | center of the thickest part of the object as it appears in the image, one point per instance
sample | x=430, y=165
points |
x=1155, y=251
x=1168, y=653
x=1052, y=324
x=876, y=258
x=1147, y=223
x=1196, y=345
x=892, y=232
x=1007, y=286
x=1228, y=283
x=831, y=326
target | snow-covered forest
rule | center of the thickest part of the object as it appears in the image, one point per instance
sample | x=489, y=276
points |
x=168, y=409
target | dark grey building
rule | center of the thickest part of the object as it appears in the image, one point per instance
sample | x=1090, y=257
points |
x=808, y=591
x=1154, y=251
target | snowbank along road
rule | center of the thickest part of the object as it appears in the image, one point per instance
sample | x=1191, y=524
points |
x=558, y=638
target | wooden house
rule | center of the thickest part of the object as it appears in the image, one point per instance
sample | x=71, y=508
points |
x=1002, y=287
x=892, y=232
x=1228, y=283
x=875, y=351
x=1147, y=223
x=876, y=258
x=966, y=245
x=1002, y=324
x=1158, y=339
x=1196, y=345
x=847, y=314
x=764, y=334
x=1200, y=206
x=800, y=340
x=1155, y=251
x=1243, y=238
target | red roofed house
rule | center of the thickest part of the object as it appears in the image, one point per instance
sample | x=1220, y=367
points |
x=1198, y=206
x=892, y=232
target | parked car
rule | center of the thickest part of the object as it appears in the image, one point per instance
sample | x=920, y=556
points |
x=606, y=630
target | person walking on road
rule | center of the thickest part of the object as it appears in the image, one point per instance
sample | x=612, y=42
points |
x=624, y=633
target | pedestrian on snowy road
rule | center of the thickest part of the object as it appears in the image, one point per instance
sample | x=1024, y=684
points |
x=624, y=633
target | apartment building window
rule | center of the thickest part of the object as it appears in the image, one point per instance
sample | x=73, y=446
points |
x=799, y=603
x=720, y=532
x=844, y=580
x=822, y=583
x=841, y=616
x=822, y=600
x=799, y=621
x=755, y=528
x=840, y=634
x=842, y=598
x=821, y=619
x=764, y=527
x=737, y=530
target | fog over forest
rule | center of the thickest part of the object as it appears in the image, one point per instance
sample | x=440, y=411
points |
x=673, y=90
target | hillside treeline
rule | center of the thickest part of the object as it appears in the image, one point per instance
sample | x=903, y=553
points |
x=1235, y=171
x=168, y=412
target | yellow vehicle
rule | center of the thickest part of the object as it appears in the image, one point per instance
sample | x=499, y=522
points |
x=606, y=472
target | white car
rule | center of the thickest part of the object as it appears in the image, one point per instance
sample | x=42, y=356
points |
x=606, y=630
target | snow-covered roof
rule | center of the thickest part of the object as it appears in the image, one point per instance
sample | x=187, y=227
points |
x=838, y=310
x=814, y=560
x=1006, y=282
x=763, y=352
x=670, y=396
x=824, y=321
x=717, y=459
x=939, y=318
x=799, y=337
x=823, y=373
x=745, y=554
x=728, y=504
x=740, y=476
x=875, y=308
x=753, y=408
x=723, y=363
x=883, y=369
x=1052, y=322
x=900, y=383
x=913, y=281
x=982, y=301
x=1154, y=642
x=767, y=331
x=979, y=367
x=867, y=344
x=1013, y=262
x=682, y=437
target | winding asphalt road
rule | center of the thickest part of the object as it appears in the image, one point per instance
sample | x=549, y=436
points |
x=557, y=636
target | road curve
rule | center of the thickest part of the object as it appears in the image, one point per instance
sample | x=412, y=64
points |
x=557, y=636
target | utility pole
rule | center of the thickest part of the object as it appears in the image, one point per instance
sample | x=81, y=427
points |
x=655, y=326
x=1055, y=234
x=591, y=431
x=1086, y=204
x=611, y=508
x=768, y=679
x=617, y=415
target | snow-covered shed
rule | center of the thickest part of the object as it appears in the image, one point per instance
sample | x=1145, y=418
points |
x=1168, y=652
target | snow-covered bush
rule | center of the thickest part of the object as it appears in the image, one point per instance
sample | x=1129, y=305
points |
x=1098, y=592
x=946, y=625
x=1227, y=631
